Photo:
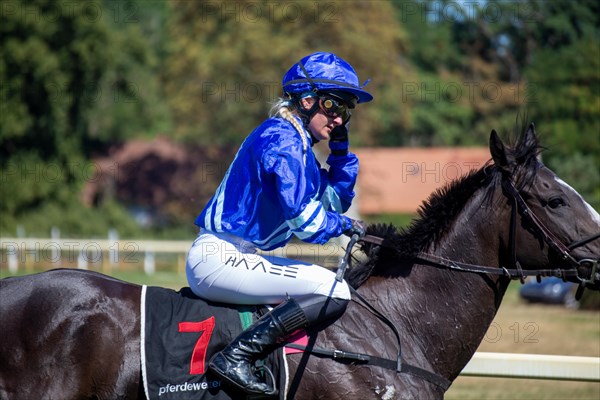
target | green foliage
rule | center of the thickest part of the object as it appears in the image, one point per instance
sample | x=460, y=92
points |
x=129, y=97
x=75, y=77
x=566, y=100
x=463, y=88
x=76, y=220
x=584, y=171
x=79, y=77
x=47, y=56
x=482, y=65
x=565, y=97
x=226, y=60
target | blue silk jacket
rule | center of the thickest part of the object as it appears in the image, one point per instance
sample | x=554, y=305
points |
x=275, y=188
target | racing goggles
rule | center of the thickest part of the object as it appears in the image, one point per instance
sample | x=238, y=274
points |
x=334, y=108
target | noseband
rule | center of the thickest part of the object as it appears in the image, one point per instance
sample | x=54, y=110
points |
x=516, y=271
x=551, y=240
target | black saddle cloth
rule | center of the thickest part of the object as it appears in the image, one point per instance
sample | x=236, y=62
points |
x=180, y=332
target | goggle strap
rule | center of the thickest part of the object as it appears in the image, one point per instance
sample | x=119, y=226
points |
x=312, y=83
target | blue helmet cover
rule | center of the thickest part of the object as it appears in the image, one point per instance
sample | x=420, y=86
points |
x=326, y=72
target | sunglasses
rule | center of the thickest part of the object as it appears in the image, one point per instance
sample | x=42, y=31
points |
x=333, y=108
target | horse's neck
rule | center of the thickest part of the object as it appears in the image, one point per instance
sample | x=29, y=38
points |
x=443, y=315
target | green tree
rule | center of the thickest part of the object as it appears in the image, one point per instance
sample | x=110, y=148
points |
x=68, y=74
x=226, y=61
x=535, y=58
x=563, y=72
x=462, y=89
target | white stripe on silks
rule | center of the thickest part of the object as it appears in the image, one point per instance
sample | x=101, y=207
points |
x=305, y=215
x=220, y=199
x=326, y=200
x=277, y=241
x=331, y=200
x=279, y=232
x=314, y=225
x=208, y=218
x=219, y=209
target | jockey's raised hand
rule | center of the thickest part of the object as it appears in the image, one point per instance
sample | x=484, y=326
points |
x=339, y=142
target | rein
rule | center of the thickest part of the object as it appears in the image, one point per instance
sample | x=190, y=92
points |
x=437, y=261
x=397, y=365
x=518, y=205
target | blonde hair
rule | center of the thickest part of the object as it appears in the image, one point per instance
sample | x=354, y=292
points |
x=284, y=108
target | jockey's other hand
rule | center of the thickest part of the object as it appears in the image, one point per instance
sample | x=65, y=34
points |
x=358, y=228
x=338, y=140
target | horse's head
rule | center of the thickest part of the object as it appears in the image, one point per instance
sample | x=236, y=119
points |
x=552, y=226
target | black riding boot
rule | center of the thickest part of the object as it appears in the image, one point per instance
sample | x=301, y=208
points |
x=235, y=363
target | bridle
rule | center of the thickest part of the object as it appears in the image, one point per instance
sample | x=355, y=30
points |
x=549, y=238
x=516, y=271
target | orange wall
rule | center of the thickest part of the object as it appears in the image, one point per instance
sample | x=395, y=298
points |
x=398, y=180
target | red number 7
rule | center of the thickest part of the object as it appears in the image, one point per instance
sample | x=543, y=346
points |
x=199, y=353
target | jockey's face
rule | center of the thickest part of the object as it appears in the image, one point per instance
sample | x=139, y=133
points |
x=320, y=124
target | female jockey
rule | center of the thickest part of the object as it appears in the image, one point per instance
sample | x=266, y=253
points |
x=276, y=188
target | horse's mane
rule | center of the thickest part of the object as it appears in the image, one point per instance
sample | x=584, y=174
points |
x=438, y=213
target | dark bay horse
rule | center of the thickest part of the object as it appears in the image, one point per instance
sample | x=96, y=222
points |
x=69, y=334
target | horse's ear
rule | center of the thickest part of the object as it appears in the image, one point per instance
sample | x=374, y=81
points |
x=501, y=155
x=530, y=140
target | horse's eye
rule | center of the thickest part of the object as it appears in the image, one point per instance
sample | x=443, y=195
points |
x=556, y=202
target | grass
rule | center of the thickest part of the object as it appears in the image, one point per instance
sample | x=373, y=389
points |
x=517, y=328
x=474, y=388
x=534, y=329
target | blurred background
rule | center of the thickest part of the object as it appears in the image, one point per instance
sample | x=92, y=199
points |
x=125, y=114
x=118, y=119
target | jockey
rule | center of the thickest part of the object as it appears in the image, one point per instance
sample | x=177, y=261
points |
x=276, y=188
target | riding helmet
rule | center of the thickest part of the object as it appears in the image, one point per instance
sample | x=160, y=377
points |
x=324, y=72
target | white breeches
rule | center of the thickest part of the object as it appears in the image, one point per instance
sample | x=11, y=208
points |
x=225, y=268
